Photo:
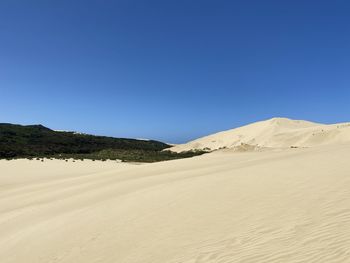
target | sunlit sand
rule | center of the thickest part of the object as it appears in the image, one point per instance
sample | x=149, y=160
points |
x=279, y=204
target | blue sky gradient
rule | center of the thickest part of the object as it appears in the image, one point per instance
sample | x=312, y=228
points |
x=172, y=70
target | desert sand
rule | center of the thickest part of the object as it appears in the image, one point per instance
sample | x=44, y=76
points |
x=277, y=205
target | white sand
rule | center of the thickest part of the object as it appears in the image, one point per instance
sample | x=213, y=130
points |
x=23, y=170
x=290, y=205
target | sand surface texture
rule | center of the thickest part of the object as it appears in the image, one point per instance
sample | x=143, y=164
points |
x=285, y=205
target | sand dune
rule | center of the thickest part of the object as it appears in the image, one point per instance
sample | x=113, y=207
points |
x=288, y=205
x=273, y=133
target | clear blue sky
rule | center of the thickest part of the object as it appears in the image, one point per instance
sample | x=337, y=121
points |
x=172, y=70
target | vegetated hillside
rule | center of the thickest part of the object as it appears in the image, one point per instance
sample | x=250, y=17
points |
x=38, y=141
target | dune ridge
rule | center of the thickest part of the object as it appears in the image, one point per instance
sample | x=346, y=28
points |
x=272, y=133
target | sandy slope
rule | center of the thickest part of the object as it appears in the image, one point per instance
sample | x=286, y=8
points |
x=23, y=170
x=275, y=206
x=273, y=133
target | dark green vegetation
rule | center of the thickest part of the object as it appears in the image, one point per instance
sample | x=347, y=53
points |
x=17, y=141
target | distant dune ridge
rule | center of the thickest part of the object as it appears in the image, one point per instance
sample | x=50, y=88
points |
x=272, y=133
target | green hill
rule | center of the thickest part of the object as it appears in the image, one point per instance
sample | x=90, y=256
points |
x=18, y=141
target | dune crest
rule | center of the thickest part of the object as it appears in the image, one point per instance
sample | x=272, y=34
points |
x=272, y=133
